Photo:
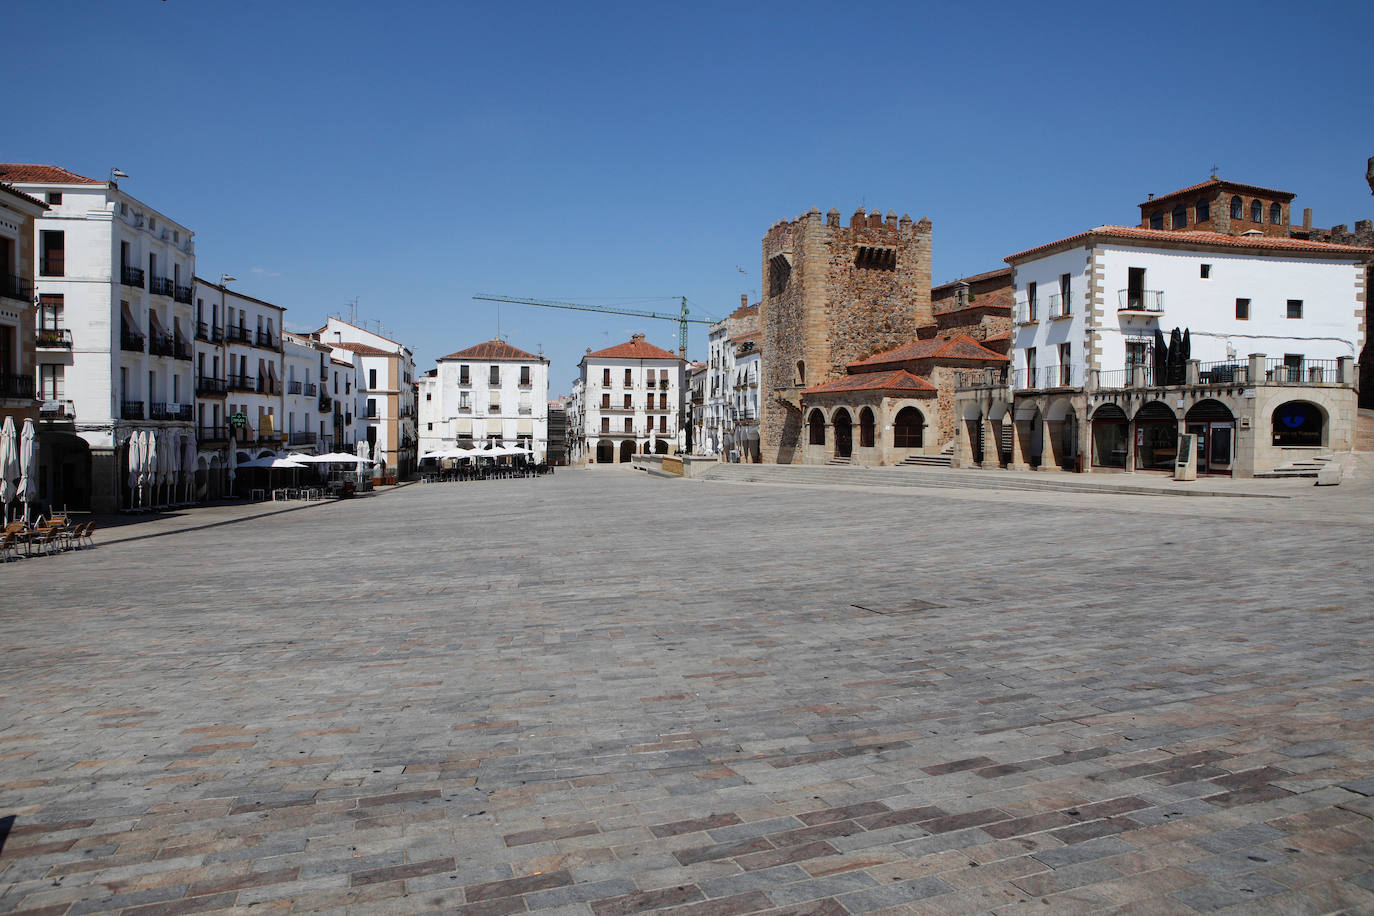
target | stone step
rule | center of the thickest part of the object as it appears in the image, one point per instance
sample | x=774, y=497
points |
x=930, y=461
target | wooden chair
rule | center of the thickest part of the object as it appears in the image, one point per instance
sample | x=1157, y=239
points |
x=83, y=535
x=48, y=538
x=9, y=546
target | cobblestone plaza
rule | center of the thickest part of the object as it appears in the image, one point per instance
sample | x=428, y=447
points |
x=601, y=693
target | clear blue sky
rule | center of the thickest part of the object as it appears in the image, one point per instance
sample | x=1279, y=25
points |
x=412, y=154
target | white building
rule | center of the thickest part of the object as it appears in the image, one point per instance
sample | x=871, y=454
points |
x=305, y=406
x=632, y=401
x=718, y=422
x=492, y=392
x=115, y=274
x=744, y=396
x=577, y=426
x=386, y=371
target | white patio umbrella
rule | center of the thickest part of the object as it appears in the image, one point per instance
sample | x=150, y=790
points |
x=233, y=462
x=188, y=464
x=28, y=466
x=151, y=449
x=363, y=456
x=9, y=464
x=134, y=459
x=272, y=462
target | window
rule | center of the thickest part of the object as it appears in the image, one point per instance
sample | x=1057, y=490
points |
x=908, y=428
x=52, y=260
x=371, y=408
x=494, y=376
x=1137, y=353
x=801, y=372
x=1294, y=308
x=1205, y=271
x=463, y=377
x=627, y=400
x=1242, y=309
x=1236, y=206
x=778, y=272
x=1180, y=217
x=606, y=400
x=525, y=376
x=1275, y=214
x=429, y=396
x=429, y=427
x=1256, y=211
x=606, y=376
x=1064, y=287
x=1202, y=211
x=629, y=425
x=1298, y=423
x=50, y=311
x=54, y=197
x=605, y=424
x=628, y=381
x=1030, y=367
x=1030, y=300
x=1157, y=219
x=1065, y=359
x=51, y=383
x=372, y=380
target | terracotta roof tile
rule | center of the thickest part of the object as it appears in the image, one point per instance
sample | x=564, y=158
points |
x=745, y=311
x=1208, y=239
x=976, y=278
x=362, y=349
x=491, y=349
x=29, y=173
x=638, y=348
x=900, y=380
x=20, y=194
x=955, y=347
x=1216, y=183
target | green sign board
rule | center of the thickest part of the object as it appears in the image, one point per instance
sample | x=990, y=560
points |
x=238, y=419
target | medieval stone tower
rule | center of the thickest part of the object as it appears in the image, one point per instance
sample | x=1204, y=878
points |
x=832, y=295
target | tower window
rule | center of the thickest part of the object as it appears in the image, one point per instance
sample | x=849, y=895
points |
x=868, y=257
x=1275, y=214
x=779, y=270
x=1205, y=271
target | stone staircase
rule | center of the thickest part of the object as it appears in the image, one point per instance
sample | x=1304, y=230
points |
x=1307, y=467
x=941, y=460
x=838, y=462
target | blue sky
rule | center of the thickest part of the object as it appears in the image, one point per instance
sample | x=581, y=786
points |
x=413, y=154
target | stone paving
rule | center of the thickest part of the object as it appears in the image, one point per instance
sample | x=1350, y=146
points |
x=601, y=693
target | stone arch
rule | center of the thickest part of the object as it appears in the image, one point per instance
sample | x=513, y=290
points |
x=661, y=447
x=1155, y=428
x=1111, y=436
x=843, y=426
x=1299, y=423
x=1062, y=420
x=64, y=469
x=866, y=428
x=627, y=451
x=605, y=452
x=909, y=428
x=815, y=425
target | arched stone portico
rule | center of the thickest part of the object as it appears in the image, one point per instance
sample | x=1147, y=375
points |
x=879, y=432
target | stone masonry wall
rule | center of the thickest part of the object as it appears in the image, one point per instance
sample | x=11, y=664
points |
x=832, y=295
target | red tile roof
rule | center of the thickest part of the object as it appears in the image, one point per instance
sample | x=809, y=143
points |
x=1005, y=335
x=491, y=349
x=900, y=380
x=1217, y=183
x=639, y=348
x=20, y=194
x=1189, y=236
x=745, y=311
x=955, y=347
x=976, y=278
x=748, y=335
x=362, y=349
x=27, y=173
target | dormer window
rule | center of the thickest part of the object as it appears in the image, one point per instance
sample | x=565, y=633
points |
x=1202, y=211
x=1256, y=212
x=1275, y=214
x=1157, y=219
x=1236, y=208
x=1180, y=217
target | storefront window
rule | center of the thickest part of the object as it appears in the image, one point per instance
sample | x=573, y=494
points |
x=1110, y=437
x=1297, y=423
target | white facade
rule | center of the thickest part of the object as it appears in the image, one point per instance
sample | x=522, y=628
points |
x=744, y=400
x=491, y=392
x=117, y=275
x=386, y=372
x=306, y=428
x=720, y=364
x=633, y=398
x=1272, y=298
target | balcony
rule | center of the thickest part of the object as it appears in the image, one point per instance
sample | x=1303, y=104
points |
x=293, y=387
x=268, y=386
x=326, y=403
x=159, y=410
x=131, y=341
x=13, y=287
x=216, y=335
x=1047, y=377
x=210, y=386
x=16, y=386
x=311, y=389
x=238, y=334
x=268, y=341
x=975, y=379
x=56, y=411
x=131, y=410
x=53, y=339
x=202, y=330
x=243, y=383
x=1058, y=308
x=182, y=294
x=1140, y=301
x=182, y=349
x=212, y=433
x=302, y=438
x=161, y=345
x=1026, y=312
x=131, y=276
x=160, y=286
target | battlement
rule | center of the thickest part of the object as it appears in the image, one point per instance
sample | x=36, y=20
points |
x=858, y=221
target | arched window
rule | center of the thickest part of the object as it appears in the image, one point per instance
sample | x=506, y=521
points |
x=1202, y=211
x=816, y=428
x=1298, y=423
x=1256, y=212
x=908, y=429
x=844, y=433
x=1157, y=219
x=1236, y=208
x=1156, y=437
x=801, y=372
x=1180, y=220
x=1275, y=214
x=1111, y=433
x=866, y=428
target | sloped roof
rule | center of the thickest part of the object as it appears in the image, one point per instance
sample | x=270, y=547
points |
x=362, y=349
x=1217, y=184
x=633, y=349
x=24, y=172
x=899, y=380
x=1180, y=237
x=957, y=346
x=15, y=192
x=745, y=311
x=491, y=349
x=976, y=278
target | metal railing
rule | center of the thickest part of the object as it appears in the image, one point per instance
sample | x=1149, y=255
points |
x=212, y=433
x=161, y=345
x=969, y=379
x=302, y=438
x=210, y=386
x=57, y=411
x=53, y=337
x=1304, y=372
x=293, y=387
x=202, y=330
x=1055, y=307
x=161, y=286
x=130, y=341
x=1027, y=312
x=243, y=383
x=268, y=386
x=16, y=386
x=131, y=276
x=1140, y=300
x=1227, y=372
x=17, y=288
x=326, y=403
x=182, y=349
x=160, y=410
x=267, y=340
x=1114, y=378
x=216, y=335
x=310, y=389
x=238, y=334
x=131, y=410
x=1044, y=377
x=182, y=294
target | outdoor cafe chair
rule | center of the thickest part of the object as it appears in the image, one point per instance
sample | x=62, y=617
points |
x=9, y=546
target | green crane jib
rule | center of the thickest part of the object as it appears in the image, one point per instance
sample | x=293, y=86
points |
x=681, y=318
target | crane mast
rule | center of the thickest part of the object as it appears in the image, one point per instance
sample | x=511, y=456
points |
x=681, y=318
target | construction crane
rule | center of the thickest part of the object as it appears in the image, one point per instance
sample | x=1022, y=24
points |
x=681, y=318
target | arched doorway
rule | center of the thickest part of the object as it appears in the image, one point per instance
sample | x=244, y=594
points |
x=973, y=428
x=1063, y=432
x=1299, y=424
x=64, y=470
x=1110, y=437
x=866, y=427
x=627, y=451
x=815, y=427
x=908, y=429
x=844, y=433
x=1215, y=427
x=661, y=447
x=1156, y=437
x=605, y=452
x=1000, y=417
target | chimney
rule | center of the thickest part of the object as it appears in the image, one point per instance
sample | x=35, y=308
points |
x=744, y=300
x=1307, y=217
x=1152, y=196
